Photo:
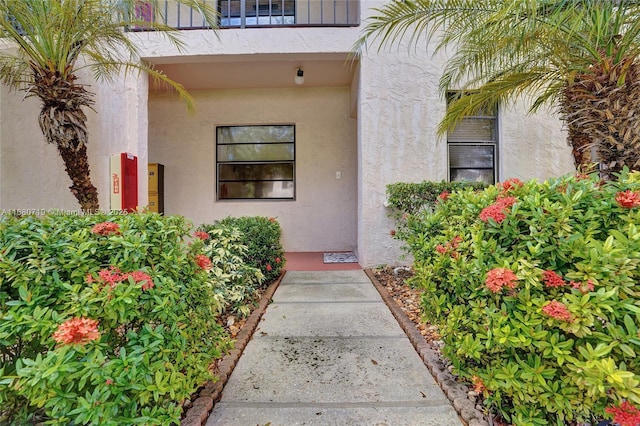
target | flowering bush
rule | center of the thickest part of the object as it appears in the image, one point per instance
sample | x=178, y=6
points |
x=103, y=319
x=540, y=307
x=261, y=236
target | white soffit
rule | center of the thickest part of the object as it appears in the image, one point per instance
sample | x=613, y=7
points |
x=257, y=71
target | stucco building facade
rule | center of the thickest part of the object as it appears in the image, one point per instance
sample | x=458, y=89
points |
x=354, y=126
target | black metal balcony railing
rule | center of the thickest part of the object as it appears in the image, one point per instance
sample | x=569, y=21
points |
x=257, y=13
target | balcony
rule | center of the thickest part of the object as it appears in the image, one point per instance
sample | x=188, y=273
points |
x=256, y=13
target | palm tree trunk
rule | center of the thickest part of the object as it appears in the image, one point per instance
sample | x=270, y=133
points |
x=64, y=124
x=600, y=111
x=580, y=143
x=76, y=164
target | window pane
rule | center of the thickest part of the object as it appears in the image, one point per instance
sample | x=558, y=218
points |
x=276, y=171
x=473, y=175
x=471, y=156
x=270, y=7
x=256, y=162
x=472, y=130
x=255, y=134
x=256, y=152
x=243, y=190
x=229, y=8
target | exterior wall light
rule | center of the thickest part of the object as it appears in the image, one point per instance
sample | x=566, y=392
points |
x=299, y=78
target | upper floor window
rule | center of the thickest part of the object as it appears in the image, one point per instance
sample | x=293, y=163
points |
x=256, y=162
x=249, y=13
x=473, y=148
x=245, y=13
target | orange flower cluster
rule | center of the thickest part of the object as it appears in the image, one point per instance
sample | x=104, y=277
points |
x=500, y=277
x=106, y=228
x=511, y=183
x=552, y=280
x=558, y=311
x=496, y=211
x=201, y=235
x=451, y=246
x=443, y=196
x=113, y=276
x=77, y=331
x=203, y=261
x=628, y=199
x=142, y=277
x=625, y=414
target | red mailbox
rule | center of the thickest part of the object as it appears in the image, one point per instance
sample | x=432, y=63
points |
x=124, y=182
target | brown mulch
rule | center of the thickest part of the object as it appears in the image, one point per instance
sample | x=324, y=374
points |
x=394, y=281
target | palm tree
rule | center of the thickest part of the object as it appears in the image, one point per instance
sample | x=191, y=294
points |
x=52, y=40
x=579, y=56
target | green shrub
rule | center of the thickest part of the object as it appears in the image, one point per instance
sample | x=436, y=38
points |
x=407, y=199
x=413, y=197
x=261, y=235
x=104, y=319
x=236, y=283
x=536, y=289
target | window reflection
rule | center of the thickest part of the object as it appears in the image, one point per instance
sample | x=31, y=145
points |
x=256, y=162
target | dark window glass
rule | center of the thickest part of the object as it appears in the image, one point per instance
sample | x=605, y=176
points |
x=473, y=145
x=256, y=162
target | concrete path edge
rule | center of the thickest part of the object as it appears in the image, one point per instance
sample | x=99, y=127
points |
x=199, y=412
x=456, y=392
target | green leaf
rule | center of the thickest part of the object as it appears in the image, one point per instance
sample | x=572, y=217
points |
x=628, y=350
x=630, y=324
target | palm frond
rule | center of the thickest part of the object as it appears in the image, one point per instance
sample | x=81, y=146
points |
x=504, y=50
x=500, y=90
x=13, y=70
x=54, y=34
x=415, y=20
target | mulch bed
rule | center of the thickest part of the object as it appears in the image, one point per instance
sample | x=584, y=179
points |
x=407, y=298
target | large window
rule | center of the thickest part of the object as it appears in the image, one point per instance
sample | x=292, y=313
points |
x=473, y=148
x=256, y=162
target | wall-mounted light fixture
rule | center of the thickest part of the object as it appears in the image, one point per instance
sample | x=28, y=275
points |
x=299, y=78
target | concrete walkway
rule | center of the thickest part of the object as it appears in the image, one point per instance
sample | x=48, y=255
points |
x=329, y=352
